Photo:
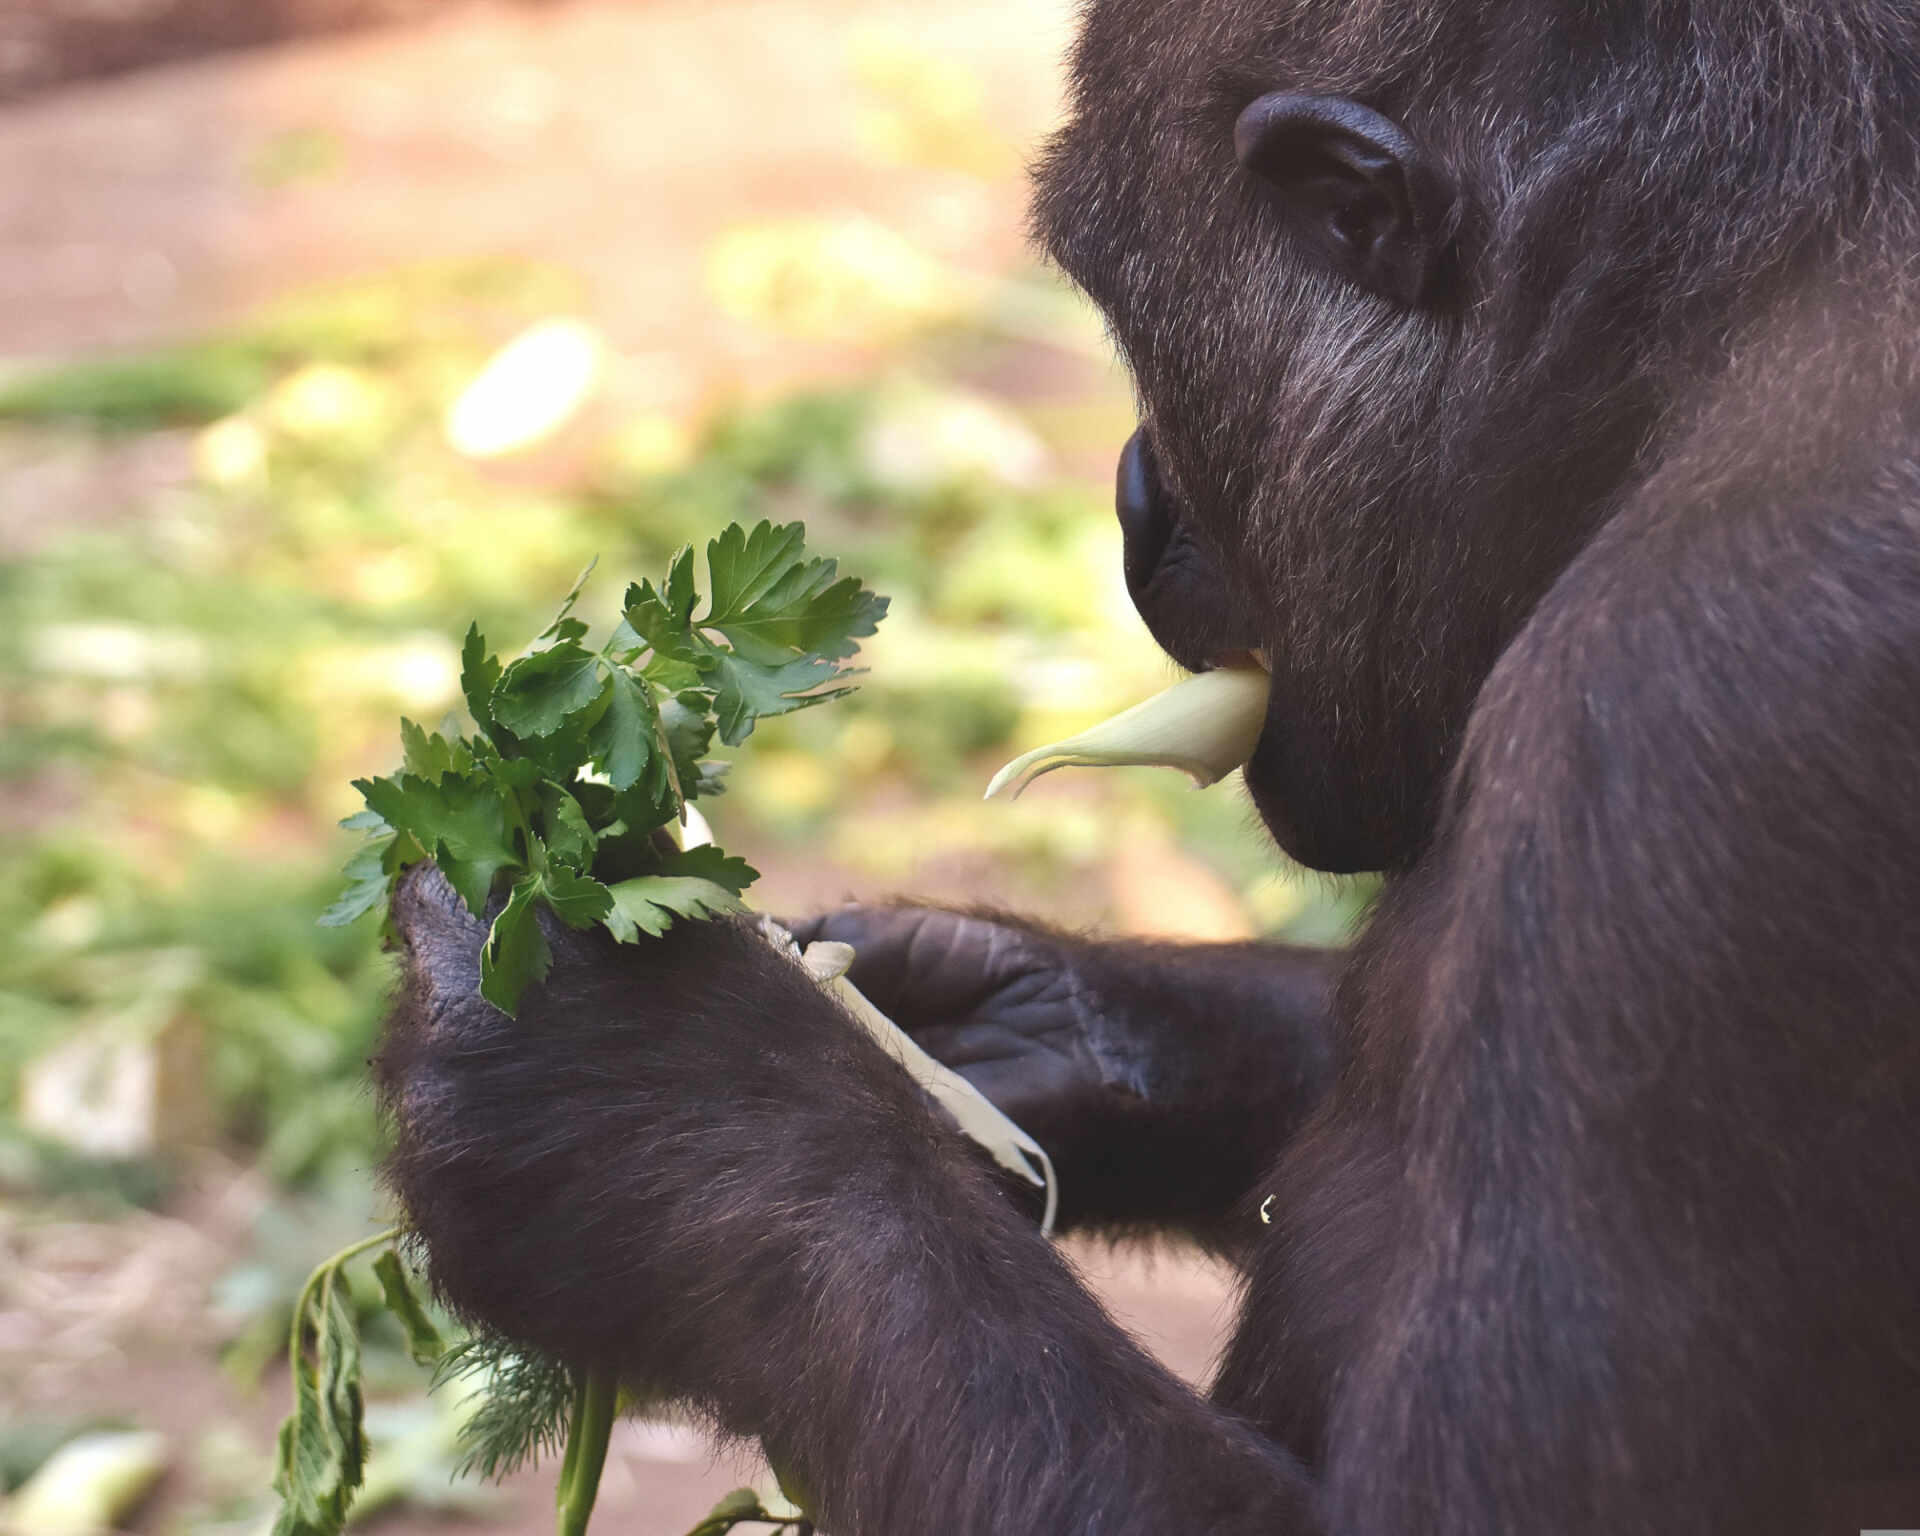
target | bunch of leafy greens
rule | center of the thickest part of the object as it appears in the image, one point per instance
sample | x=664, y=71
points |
x=580, y=760
x=581, y=757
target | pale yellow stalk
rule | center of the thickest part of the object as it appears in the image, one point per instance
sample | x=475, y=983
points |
x=1206, y=726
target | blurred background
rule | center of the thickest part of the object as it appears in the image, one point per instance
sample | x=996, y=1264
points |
x=329, y=325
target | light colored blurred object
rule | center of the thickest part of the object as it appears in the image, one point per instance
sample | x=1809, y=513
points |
x=924, y=108
x=921, y=438
x=420, y=672
x=328, y=404
x=528, y=390
x=87, y=1485
x=847, y=279
x=111, y=652
x=1161, y=892
x=231, y=452
x=116, y=1094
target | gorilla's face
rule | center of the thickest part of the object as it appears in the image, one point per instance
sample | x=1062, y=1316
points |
x=1277, y=498
x=1340, y=464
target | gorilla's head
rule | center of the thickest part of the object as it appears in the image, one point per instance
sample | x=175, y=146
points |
x=1407, y=292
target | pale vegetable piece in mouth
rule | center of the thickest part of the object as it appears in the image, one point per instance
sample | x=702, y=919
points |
x=1206, y=725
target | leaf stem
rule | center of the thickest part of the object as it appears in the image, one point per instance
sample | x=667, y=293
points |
x=595, y=1394
x=297, y=1333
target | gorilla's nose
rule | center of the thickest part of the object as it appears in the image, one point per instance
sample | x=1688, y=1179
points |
x=1140, y=500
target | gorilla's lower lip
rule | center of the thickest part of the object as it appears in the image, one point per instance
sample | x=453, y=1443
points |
x=1227, y=660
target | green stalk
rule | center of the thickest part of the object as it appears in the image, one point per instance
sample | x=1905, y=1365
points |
x=594, y=1396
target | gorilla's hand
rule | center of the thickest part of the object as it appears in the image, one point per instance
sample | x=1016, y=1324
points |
x=996, y=1001
x=666, y=1136
x=1161, y=1079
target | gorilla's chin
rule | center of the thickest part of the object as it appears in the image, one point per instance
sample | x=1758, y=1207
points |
x=1192, y=613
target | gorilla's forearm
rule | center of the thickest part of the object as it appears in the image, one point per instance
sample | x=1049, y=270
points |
x=1215, y=1055
x=944, y=1371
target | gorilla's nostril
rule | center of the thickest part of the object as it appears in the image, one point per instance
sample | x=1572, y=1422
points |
x=1141, y=503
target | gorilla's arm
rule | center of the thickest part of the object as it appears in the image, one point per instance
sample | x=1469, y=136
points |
x=1163, y=1079
x=682, y=1160
x=1625, y=1138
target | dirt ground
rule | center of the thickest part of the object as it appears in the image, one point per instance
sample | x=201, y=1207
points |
x=618, y=140
x=116, y=1320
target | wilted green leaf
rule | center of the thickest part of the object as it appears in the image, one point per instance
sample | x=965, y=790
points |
x=423, y=1339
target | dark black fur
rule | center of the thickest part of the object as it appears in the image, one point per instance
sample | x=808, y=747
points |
x=1591, y=587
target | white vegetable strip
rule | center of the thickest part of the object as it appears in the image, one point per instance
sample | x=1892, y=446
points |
x=1206, y=725
x=1009, y=1146
x=87, y=1485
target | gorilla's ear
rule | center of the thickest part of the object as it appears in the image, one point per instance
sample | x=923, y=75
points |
x=1353, y=185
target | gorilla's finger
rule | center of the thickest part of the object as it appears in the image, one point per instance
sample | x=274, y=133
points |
x=893, y=958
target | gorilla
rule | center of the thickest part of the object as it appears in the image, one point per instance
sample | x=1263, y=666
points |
x=1534, y=385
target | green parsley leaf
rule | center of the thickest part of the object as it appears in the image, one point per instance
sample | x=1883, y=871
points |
x=516, y=954
x=709, y=863
x=650, y=903
x=622, y=740
x=367, y=882
x=479, y=676
x=663, y=620
x=540, y=692
x=460, y=822
x=569, y=838
x=579, y=901
x=771, y=602
x=750, y=690
x=430, y=755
